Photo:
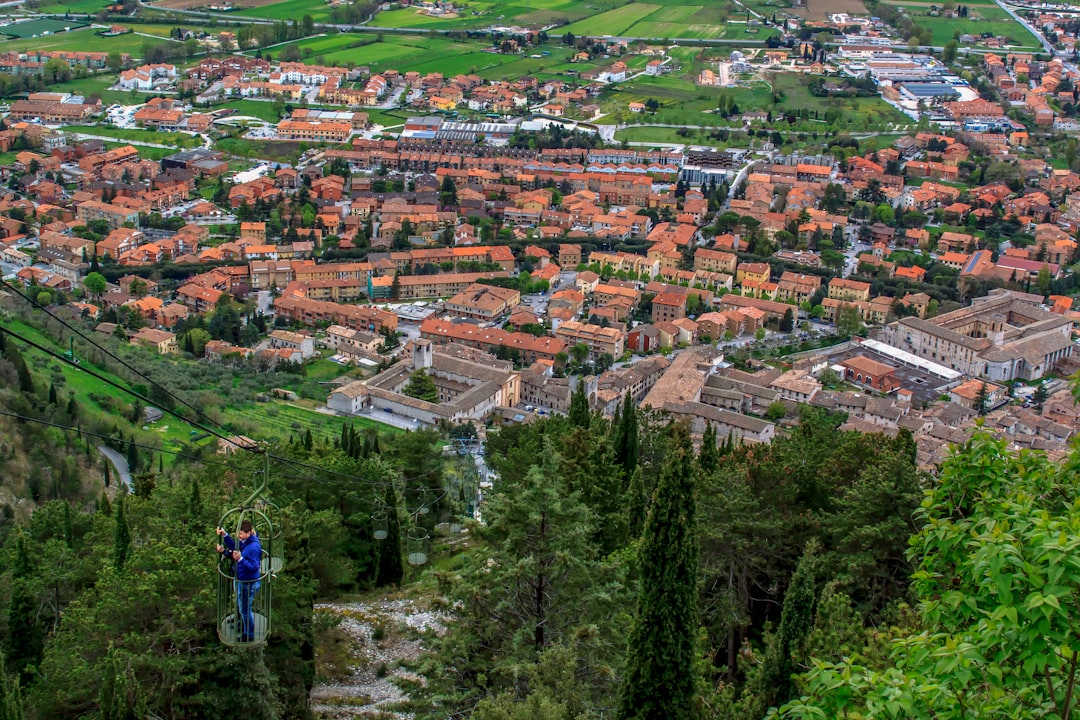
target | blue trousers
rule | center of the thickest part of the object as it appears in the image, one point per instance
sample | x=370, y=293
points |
x=245, y=593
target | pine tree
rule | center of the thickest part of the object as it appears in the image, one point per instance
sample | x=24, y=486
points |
x=579, y=407
x=660, y=679
x=121, y=535
x=391, y=571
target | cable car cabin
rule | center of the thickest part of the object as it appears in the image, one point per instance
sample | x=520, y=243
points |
x=244, y=614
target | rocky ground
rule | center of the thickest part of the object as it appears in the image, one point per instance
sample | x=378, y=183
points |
x=362, y=646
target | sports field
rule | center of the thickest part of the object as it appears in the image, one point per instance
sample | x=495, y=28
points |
x=85, y=39
x=75, y=7
x=39, y=28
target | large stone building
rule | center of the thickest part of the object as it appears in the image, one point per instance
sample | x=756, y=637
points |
x=1004, y=336
x=471, y=384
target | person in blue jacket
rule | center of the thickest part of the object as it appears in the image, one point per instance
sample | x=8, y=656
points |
x=247, y=555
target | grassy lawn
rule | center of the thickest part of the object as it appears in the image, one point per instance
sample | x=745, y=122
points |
x=254, y=108
x=387, y=117
x=280, y=419
x=654, y=134
x=146, y=153
x=176, y=139
x=272, y=150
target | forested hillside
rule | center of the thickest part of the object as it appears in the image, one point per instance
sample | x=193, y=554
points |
x=622, y=569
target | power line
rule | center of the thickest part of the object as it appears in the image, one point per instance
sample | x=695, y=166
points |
x=91, y=433
x=118, y=386
x=13, y=288
x=198, y=425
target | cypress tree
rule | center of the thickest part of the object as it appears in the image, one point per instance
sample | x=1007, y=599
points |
x=391, y=571
x=308, y=442
x=195, y=506
x=121, y=535
x=708, y=456
x=26, y=636
x=120, y=697
x=627, y=450
x=132, y=456
x=660, y=681
x=108, y=466
x=637, y=504
x=775, y=685
x=579, y=407
x=52, y=394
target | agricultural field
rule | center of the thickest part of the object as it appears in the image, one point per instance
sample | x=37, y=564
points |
x=75, y=7
x=289, y=10
x=277, y=419
x=668, y=19
x=820, y=9
x=485, y=13
x=981, y=19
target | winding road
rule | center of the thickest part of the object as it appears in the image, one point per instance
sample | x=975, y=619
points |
x=120, y=463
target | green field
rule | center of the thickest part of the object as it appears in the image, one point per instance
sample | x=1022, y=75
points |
x=75, y=7
x=682, y=103
x=254, y=108
x=656, y=135
x=484, y=13
x=421, y=54
x=96, y=86
x=35, y=28
x=981, y=19
x=661, y=19
x=86, y=40
x=289, y=10
x=175, y=139
x=277, y=420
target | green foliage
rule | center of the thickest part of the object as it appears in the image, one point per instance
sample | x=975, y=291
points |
x=121, y=535
x=660, y=679
x=391, y=569
x=996, y=591
x=421, y=387
x=579, y=407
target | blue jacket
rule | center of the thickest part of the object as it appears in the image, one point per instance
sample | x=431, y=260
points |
x=249, y=566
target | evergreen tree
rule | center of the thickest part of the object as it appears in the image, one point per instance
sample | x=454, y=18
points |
x=195, y=506
x=637, y=504
x=120, y=698
x=108, y=469
x=579, y=407
x=11, y=707
x=26, y=636
x=660, y=678
x=708, y=456
x=774, y=683
x=626, y=447
x=309, y=442
x=132, y=456
x=390, y=568
x=121, y=535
